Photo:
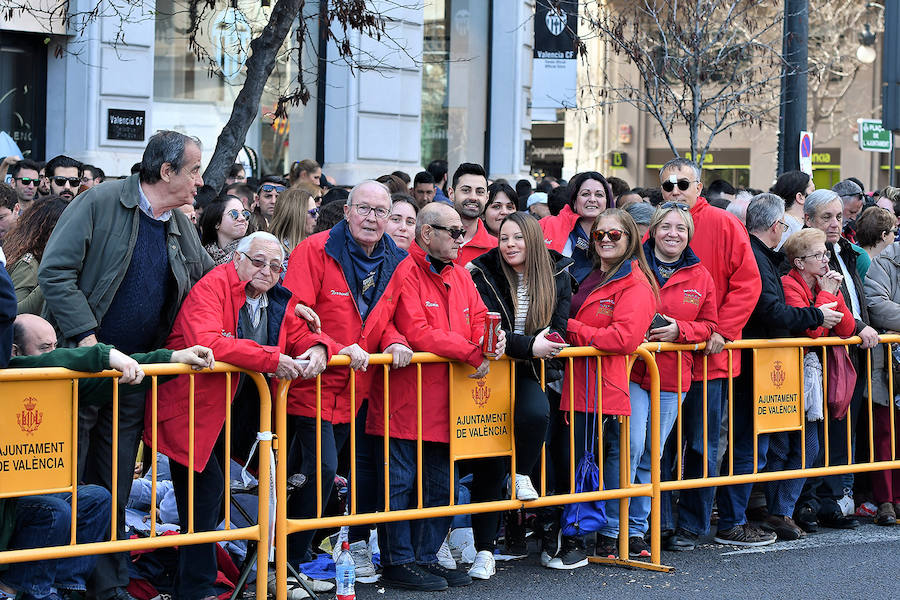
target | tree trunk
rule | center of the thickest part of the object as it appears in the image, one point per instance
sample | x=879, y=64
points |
x=263, y=51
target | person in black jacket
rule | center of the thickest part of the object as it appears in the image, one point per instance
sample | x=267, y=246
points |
x=530, y=286
x=8, y=313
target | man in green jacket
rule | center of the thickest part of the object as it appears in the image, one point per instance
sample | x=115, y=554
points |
x=116, y=269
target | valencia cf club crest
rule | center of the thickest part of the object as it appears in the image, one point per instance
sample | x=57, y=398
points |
x=481, y=393
x=778, y=374
x=30, y=419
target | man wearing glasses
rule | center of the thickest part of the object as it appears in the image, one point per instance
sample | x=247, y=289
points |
x=25, y=181
x=116, y=269
x=469, y=196
x=347, y=276
x=721, y=243
x=236, y=310
x=64, y=173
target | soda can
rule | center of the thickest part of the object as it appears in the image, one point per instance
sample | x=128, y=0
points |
x=491, y=332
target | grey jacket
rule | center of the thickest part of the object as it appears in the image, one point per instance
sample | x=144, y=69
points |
x=90, y=250
x=883, y=300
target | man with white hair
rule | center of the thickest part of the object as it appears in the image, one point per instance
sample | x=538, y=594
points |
x=236, y=310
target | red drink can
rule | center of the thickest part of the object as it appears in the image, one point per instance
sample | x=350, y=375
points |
x=491, y=333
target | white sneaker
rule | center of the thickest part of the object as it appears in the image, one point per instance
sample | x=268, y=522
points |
x=445, y=558
x=524, y=489
x=362, y=559
x=297, y=591
x=484, y=565
x=846, y=503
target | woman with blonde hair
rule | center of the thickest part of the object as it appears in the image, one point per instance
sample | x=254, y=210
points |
x=294, y=219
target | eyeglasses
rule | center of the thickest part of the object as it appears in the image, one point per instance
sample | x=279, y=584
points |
x=614, y=235
x=235, y=213
x=61, y=181
x=784, y=226
x=313, y=212
x=275, y=267
x=678, y=205
x=451, y=231
x=363, y=210
x=27, y=180
x=683, y=184
x=819, y=256
x=268, y=187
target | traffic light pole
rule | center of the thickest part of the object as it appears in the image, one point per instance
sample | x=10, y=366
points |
x=792, y=117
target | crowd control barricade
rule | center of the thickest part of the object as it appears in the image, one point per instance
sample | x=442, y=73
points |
x=40, y=417
x=779, y=406
x=493, y=396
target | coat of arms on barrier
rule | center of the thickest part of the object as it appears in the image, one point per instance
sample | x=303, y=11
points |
x=30, y=419
x=778, y=374
x=481, y=393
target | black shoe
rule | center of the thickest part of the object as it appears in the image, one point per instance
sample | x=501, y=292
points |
x=412, y=577
x=838, y=521
x=454, y=577
x=550, y=538
x=805, y=518
x=681, y=541
x=606, y=547
x=638, y=547
x=514, y=534
x=745, y=535
x=571, y=555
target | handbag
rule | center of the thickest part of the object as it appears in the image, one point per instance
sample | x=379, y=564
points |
x=841, y=381
x=581, y=518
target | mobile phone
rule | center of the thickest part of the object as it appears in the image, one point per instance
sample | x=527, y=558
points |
x=658, y=321
x=556, y=338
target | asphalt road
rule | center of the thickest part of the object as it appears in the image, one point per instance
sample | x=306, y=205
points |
x=828, y=564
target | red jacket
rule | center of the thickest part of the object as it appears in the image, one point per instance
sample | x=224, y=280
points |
x=317, y=279
x=722, y=244
x=614, y=318
x=209, y=316
x=440, y=313
x=797, y=293
x=557, y=228
x=478, y=245
x=689, y=297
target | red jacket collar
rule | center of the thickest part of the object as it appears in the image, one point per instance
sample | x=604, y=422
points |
x=795, y=274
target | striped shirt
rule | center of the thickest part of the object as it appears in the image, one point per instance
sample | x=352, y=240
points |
x=522, y=302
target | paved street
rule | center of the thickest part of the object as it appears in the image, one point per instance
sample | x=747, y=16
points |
x=829, y=564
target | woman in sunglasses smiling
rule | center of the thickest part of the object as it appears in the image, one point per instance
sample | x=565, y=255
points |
x=222, y=226
x=611, y=311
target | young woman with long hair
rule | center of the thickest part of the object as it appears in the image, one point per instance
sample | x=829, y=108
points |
x=294, y=219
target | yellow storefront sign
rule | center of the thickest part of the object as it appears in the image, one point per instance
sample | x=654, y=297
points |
x=777, y=389
x=36, y=431
x=481, y=411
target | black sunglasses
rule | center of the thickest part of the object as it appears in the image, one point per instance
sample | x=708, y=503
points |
x=27, y=180
x=683, y=184
x=61, y=181
x=451, y=231
x=235, y=213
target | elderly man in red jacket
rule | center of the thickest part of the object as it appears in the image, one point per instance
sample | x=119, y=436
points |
x=236, y=310
x=722, y=244
x=347, y=276
x=439, y=310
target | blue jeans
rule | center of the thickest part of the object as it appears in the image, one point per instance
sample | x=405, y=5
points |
x=784, y=455
x=641, y=457
x=695, y=506
x=43, y=521
x=404, y=542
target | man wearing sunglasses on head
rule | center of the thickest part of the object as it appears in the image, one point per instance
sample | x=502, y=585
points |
x=722, y=244
x=64, y=173
x=266, y=196
x=25, y=180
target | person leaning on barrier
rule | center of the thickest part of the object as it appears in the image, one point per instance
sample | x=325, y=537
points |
x=531, y=288
x=348, y=276
x=723, y=247
x=40, y=521
x=822, y=496
x=438, y=310
x=116, y=269
x=882, y=287
x=237, y=310
x=611, y=312
x=687, y=302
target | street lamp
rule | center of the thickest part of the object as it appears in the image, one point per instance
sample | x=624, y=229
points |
x=866, y=51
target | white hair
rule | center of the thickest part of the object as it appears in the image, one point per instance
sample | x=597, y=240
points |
x=264, y=236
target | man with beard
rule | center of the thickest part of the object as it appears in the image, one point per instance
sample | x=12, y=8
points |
x=469, y=196
x=64, y=174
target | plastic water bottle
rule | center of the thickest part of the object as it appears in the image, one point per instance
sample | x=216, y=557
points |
x=345, y=574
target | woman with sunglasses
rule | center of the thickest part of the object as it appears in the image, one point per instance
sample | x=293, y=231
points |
x=530, y=286
x=401, y=224
x=567, y=233
x=611, y=311
x=294, y=219
x=222, y=226
x=687, y=315
x=501, y=203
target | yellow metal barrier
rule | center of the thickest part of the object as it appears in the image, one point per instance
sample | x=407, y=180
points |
x=63, y=396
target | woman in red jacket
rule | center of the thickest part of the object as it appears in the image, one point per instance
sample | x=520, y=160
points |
x=567, y=233
x=687, y=304
x=810, y=282
x=611, y=312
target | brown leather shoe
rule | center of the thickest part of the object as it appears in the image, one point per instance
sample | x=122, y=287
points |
x=886, y=514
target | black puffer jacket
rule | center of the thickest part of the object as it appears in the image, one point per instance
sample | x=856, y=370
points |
x=493, y=286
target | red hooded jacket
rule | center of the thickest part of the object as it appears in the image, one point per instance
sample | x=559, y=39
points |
x=557, y=228
x=440, y=313
x=797, y=293
x=614, y=318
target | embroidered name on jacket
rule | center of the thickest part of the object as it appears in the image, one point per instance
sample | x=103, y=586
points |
x=692, y=296
x=606, y=306
x=429, y=304
x=337, y=293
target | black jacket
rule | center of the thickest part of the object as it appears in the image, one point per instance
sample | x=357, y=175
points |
x=494, y=289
